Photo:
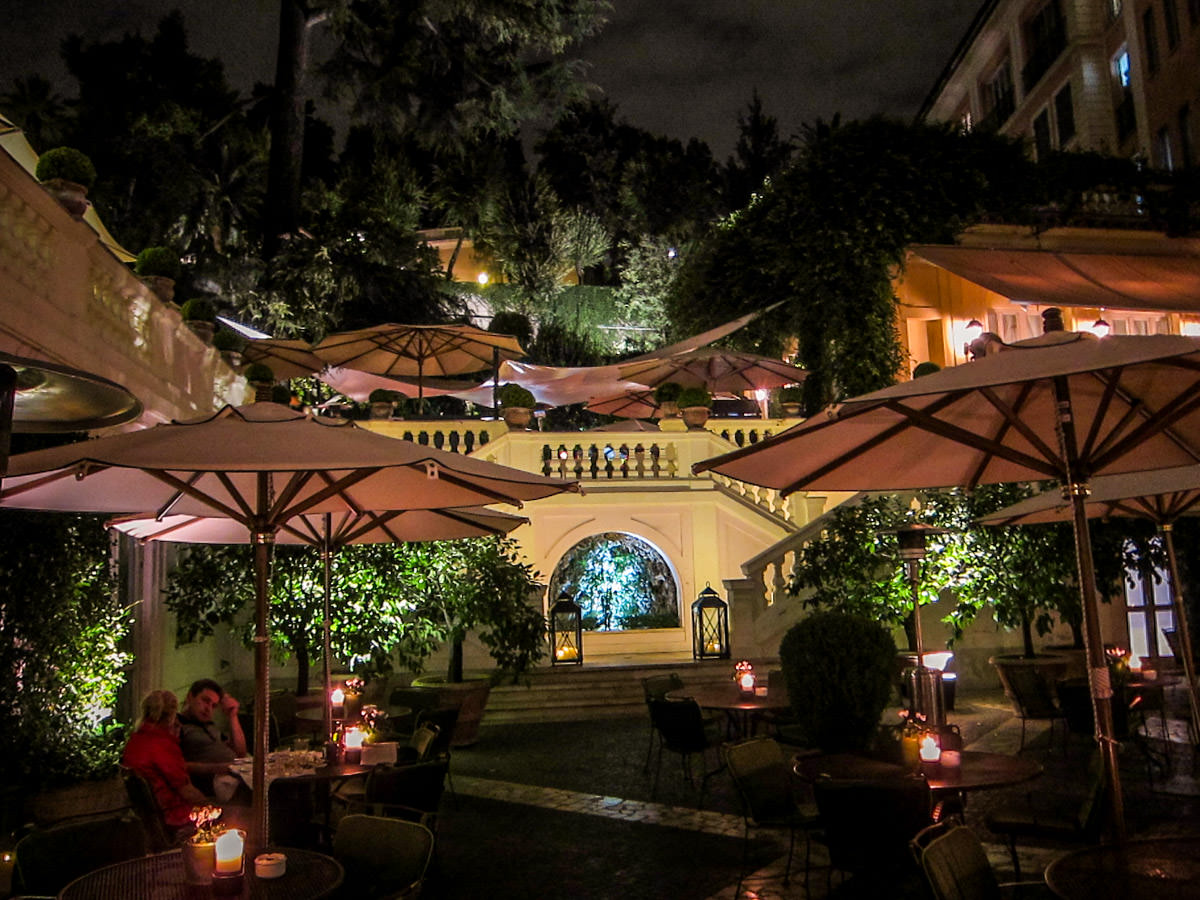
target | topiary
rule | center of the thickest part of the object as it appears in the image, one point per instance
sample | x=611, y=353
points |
x=512, y=323
x=839, y=670
x=160, y=261
x=259, y=373
x=667, y=392
x=229, y=341
x=791, y=394
x=694, y=396
x=68, y=164
x=511, y=395
x=198, y=309
x=926, y=368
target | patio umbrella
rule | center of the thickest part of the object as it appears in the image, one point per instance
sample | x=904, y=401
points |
x=260, y=465
x=330, y=533
x=420, y=350
x=287, y=358
x=1162, y=496
x=630, y=405
x=714, y=370
x=1065, y=406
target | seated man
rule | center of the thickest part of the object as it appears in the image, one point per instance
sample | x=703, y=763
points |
x=208, y=752
x=153, y=752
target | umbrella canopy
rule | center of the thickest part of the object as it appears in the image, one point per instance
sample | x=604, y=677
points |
x=287, y=358
x=1162, y=496
x=630, y=405
x=714, y=370
x=1064, y=406
x=420, y=350
x=260, y=465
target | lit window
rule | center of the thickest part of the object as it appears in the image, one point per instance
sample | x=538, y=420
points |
x=1148, y=611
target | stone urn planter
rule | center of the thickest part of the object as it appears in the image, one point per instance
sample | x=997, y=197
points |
x=71, y=196
x=694, y=417
x=517, y=418
x=162, y=286
x=469, y=696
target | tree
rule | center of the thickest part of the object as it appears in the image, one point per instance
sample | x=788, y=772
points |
x=34, y=106
x=759, y=156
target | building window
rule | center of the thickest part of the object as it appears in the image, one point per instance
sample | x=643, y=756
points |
x=1171, y=22
x=1041, y=135
x=1148, y=611
x=1064, y=115
x=1186, y=154
x=1122, y=69
x=1162, y=141
x=1045, y=40
x=1150, y=36
x=999, y=99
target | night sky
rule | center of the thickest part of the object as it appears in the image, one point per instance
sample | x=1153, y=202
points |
x=684, y=68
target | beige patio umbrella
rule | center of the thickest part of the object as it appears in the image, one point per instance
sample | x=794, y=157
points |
x=420, y=350
x=714, y=370
x=1162, y=496
x=287, y=358
x=1065, y=406
x=260, y=465
x=630, y=405
x=330, y=533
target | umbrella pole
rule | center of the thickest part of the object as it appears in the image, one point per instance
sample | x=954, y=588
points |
x=495, y=383
x=259, y=833
x=1098, y=678
x=326, y=557
x=8, y=399
x=1181, y=626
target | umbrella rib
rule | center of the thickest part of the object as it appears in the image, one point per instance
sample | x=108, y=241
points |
x=332, y=489
x=49, y=478
x=1009, y=412
x=186, y=488
x=1160, y=422
x=1110, y=390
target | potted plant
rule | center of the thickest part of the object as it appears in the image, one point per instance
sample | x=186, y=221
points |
x=666, y=395
x=67, y=175
x=695, y=404
x=516, y=404
x=159, y=268
x=200, y=315
x=790, y=399
x=262, y=379
x=200, y=849
x=230, y=344
x=385, y=404
x=841, y=666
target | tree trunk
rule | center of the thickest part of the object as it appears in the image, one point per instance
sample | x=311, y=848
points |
x=455, y=672
x=1027, y=636
x=282, y=213
x=302, y=667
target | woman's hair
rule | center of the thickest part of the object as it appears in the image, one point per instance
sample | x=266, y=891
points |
x=159, y=706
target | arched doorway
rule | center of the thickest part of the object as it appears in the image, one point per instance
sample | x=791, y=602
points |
x=621, y=583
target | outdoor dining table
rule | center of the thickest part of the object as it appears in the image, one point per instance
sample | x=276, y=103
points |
x=162, y=876
x=978, y=771
x=738, y=707
x=1151, y=869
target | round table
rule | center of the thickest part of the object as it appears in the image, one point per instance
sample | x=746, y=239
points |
x=161, y=877
x=979, y=770
x=737, y=706
x=1153, y=869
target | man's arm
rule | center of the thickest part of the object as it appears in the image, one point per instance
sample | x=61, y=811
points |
x=237, y=739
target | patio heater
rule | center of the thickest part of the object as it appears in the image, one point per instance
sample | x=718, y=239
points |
x=924, y=683
x=710, y=626
x=566, y=632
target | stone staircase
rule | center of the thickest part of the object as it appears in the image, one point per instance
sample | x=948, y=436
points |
x=574, y=693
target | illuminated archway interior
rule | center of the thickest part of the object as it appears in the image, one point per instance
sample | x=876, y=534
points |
x=620, y=582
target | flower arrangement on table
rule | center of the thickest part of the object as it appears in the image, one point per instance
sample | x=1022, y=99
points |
x=1119, y=671
x=204, y=818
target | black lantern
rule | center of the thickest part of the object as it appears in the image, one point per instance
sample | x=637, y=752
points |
x=566, y=632
x=710, y=626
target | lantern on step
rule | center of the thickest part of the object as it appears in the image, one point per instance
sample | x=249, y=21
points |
x=710, y=626
x=566, y=632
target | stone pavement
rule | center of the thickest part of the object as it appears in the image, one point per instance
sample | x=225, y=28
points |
x=568, y=809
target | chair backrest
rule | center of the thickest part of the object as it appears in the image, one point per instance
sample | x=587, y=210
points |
x=47, y=860
x=145, y=807
x=656, y=687
x=762, y=777
x=1033, y=693
x=955, y=864
x=868, y=824
x=422, y=740
x=680, y=724
x=247, y=722
x=418, y=786
x=446, y=720
x=381, y=856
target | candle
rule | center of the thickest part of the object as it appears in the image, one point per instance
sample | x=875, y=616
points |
x=230, y=845
x=712, y=647
x=930, y=751
x=337, y=699
x=566, y=653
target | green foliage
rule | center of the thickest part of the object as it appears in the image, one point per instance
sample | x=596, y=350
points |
x=161, y=261
x=668, y=392
x=840, y=667
x=791, y=394
x=68, y=164
x=228, y=341
x=62, y=657
x=513, y=323
x=513, y=395
x=619, y=582
x=383, y=395
x=198, y=309
x=561, y=345
x=259, y=373
x=694, y=396
x=926, y=368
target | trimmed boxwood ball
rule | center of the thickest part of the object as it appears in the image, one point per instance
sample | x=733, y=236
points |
x=68, y=164
x=229, y=341
x=259, y=373
x=694, y=397
x=511, y=395
x=160, y=261
x=839, y=671
x=667, y=392
x=198, y=309
x=513, y=323
x=793, y=394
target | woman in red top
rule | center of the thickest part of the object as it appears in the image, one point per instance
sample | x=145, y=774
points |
x=153, y=752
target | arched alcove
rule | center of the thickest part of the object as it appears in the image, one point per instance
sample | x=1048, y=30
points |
x=620, y=581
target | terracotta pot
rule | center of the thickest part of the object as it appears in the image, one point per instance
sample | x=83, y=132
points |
x=694, y=417
x=791, y=410
x=381, y=409
x=517, y=418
